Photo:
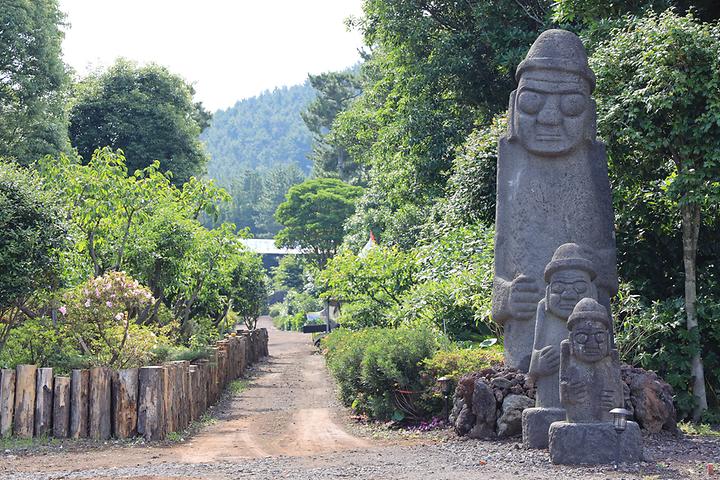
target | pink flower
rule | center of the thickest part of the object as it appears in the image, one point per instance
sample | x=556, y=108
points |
x=97, y=293
x=63, y=310
x=109, y=304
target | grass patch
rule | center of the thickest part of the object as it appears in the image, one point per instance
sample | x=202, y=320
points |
x=236, y=387
x=706, y=429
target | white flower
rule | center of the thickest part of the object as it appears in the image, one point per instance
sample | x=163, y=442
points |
x=119, y=316
x=87, y=303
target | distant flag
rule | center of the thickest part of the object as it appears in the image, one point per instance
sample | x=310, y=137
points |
x=368, y=246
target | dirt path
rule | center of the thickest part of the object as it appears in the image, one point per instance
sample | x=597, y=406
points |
x=288, y=410
x=287, y=424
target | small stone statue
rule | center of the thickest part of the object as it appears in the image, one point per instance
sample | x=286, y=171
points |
x=552, y=187
x=590, y=386
x=569, y=278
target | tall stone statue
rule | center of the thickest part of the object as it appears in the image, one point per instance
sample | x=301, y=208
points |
x=552, y=186
x=590, y=387
x=569, y=278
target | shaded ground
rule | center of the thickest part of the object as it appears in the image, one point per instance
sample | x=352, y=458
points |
x=287, y=424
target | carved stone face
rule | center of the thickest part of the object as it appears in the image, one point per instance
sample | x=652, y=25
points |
x=566, y=289
x=590, y=341
x=553, y=112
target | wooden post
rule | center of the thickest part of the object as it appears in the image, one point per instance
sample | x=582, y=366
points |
x=125, y=392
x=151, y=403
x=168, y=396
x=61, y=407
x=243, y=355
x=202, y=386
x=79, y=392
x=7, y=401
x=43, y=402
x=184, y=371
x=193, y=393
x=100, y=403
x=24, y=423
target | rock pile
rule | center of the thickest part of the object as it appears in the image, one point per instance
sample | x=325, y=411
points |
x=489, y=403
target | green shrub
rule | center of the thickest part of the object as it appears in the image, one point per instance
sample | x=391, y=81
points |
x=456, y=362
x=39, y=342
x=371, y=364
x=31, y=232
x=655, y=337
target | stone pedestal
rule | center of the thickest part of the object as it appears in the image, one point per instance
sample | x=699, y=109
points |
x=536, y=424
x=594, y=443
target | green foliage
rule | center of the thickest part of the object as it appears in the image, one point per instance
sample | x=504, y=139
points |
x=370, y=364
x=291, y=313
x=259, y=133
x=654, y=337
x=31, y=232
x=434, y=72
x=105, y=315
x=148, y=112
x=455, y=362
x=33, y=79
x=313, y=215
x=290, y=273
x=335, y=92
x=657, y=104
x=40, y=341
x=369, y=284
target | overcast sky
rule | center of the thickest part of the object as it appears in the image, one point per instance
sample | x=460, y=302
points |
x=229, y=49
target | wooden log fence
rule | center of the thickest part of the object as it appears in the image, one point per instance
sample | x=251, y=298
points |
x=101, y=403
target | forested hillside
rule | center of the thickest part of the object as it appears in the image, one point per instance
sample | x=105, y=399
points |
x=260, y=132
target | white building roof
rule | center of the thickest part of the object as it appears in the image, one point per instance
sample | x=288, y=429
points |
x=266, y=246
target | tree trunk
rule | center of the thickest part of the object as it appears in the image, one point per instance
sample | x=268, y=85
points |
x=80, y=390
x=151, y=405
x=44, y=402
x=7, y=402
x=61, y=407
x=691, y=231
x=125, y=392
x=24, y=423
x=100, y=403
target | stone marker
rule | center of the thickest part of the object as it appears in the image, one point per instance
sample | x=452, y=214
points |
x=590, y=386
x=569, y=277
x=552, y=186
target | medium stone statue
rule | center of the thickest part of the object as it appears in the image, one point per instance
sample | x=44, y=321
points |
x=569, y=278
x=590, y=386
x=552, y=186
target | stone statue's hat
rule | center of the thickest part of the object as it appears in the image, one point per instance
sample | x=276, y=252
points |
x=588, y=309
x=557, y=50
x=569, y=255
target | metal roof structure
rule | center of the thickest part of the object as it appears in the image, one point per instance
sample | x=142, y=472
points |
x=266, y=246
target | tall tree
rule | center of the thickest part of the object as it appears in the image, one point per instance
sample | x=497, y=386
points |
x=148, y=112
x=313, y=215
x=335, y=92
x=32, y=80
x=658, y=104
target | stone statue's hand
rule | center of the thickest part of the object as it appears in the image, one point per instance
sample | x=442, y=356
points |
x=524, y=297
x=578, y=391
x=607, y=399
x=547, y=361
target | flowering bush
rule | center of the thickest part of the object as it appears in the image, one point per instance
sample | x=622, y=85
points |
x=105, y=315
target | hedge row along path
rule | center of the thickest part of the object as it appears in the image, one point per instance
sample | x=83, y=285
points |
x=288, y=424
